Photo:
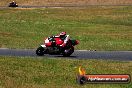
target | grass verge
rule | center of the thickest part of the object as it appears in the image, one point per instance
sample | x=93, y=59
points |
x=43, y=72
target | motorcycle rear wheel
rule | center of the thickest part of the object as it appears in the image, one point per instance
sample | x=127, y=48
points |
x=40, y=51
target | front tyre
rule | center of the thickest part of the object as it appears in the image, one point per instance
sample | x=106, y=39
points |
x=40, y=51
x=68, y=52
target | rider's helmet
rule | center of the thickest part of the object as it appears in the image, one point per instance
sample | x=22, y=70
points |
x=62, y=34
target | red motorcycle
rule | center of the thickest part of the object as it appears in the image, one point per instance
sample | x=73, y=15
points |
x=52, y=46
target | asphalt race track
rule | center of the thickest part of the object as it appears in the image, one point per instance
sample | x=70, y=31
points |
x=78, y=54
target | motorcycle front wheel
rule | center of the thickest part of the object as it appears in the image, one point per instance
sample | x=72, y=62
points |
x=68, y=52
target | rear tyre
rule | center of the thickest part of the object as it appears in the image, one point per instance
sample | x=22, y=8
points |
x=40, y=51
x=68, y=52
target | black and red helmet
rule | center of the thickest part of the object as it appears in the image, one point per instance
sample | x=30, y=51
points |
x=62, y=34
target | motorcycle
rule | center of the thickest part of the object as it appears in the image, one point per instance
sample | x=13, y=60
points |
x=51, y=46
x=13, y=4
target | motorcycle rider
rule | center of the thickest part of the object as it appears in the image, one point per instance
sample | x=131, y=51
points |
x=13, y=3
x=64, y=37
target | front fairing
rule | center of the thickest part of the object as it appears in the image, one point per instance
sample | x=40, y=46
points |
x=74, y=42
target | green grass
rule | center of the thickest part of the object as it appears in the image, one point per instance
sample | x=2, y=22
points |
x=43, y=72
x=96, y=27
